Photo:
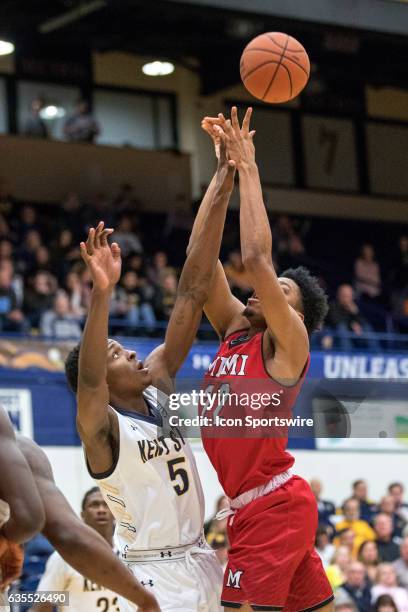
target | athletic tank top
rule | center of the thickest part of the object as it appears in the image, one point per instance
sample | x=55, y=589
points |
x=153, y=491
x=245, y=456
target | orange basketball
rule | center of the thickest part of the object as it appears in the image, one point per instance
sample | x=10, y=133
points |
x=274, y=67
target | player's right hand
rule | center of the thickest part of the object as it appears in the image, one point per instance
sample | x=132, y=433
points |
x=207, y=125
x=103, y=260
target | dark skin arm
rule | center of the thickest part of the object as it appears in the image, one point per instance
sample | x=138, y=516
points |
x=289, y=344
x=223, y=310
x=196, y=278
x=79, y=545
x=17, y=488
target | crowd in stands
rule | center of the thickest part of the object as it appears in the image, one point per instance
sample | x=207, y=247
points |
x=363, y=546
x=45, y=288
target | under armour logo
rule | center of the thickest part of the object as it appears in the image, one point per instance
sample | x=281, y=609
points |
x=147, y=582
x=165, y=554
x=129, y=527
x=234, y=579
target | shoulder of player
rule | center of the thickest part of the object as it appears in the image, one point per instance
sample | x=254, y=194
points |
x=285, y=361
x=35, y=457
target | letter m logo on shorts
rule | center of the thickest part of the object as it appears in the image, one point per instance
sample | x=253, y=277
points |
x=234, y=579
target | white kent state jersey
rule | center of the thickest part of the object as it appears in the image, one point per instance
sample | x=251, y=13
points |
x=84, y=595
x=153, y=491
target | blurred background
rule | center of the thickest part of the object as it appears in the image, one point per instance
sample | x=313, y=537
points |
x=100, y=110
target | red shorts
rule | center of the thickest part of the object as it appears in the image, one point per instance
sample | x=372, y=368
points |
x=272, y=563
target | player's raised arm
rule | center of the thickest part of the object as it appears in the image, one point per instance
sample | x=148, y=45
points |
x=81, y=546
x=222, y=308
x=197, y=274
x=17, y=489
x=284, y=321
x=93, y=417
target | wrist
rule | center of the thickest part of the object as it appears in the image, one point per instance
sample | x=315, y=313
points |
x=248, y=167
x=102, y=292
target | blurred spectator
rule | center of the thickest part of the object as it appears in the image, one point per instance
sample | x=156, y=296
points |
x=6, y=249
x=221, y=504
x=26, y=255
x=367, y=275
x=385, y=603
x=324, y=549
x=34, y=126
x=7, y=201
x=126, y=201
x=237, y=276
x=336, y=571
x=39, y=297
x=59, y=322
x=287, y=243
x=64, y=252
x=388, y=550
x=27, y=221
x=344, y=317
x=75, y=292
x=344, y=605
x=386, y=584
x=11, y=317
x=168, y=288
x=368, y=556
x=361, y=529
x=135, y=297
x=326, y=509
x=347, y=538
x=396, y=489
x=5, y=229
x=159, y=268
x=81, y=126
x=357, y=587
x=401, y=564
x=367, y=507
x=387, y=506
x=399, y=273
x=126, y=238
x=71, y=216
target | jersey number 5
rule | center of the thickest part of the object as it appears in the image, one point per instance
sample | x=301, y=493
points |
x=182, y=485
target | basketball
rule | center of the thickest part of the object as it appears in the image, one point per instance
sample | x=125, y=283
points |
x=274, y=67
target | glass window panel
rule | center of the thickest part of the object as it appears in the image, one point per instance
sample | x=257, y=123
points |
x=125, y=119
x=3, y=107
x=59, y=95
x=166, y=138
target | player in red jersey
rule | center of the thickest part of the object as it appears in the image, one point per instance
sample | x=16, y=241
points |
x=264, y=346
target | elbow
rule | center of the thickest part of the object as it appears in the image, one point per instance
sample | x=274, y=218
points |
x=27, y=523
x=254, y=260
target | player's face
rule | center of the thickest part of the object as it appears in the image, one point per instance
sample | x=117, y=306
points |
x=125, y=372
x=96, y=513
x=253, y=310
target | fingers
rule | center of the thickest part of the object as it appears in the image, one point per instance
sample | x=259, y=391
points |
x=84, y=252
x=97, y=235
x=222, y=143
x=104, y=236
x=234, y=120
x=115, y=250
x=90, y=243
x=246, y=122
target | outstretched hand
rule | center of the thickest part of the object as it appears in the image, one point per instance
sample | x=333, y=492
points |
x=103, y=260
x=226, y=167
x=239, y=140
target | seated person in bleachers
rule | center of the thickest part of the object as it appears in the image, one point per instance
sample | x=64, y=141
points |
x=323, y=547
x=326, y=508
x=368, y=556
x=357, y=587
x=396, y=489
x=367, y=507
x=344, y=317
x=60, y=322
x=336, y=571
x=388, y=548
x=351, y=520
x=387, y=506
x=401, y=564
x=386, y=584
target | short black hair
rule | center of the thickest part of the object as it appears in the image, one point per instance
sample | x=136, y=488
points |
x=395, y=484
x=71, y=368
x=358, y=482
x=314, y=304
x=88, y=494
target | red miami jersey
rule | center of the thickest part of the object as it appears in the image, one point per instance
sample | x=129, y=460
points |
x=242, y=457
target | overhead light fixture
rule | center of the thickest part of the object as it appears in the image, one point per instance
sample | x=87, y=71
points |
x=52, y=112
x=158, y=68
x=6, y=47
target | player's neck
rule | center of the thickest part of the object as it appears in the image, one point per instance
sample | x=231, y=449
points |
x=106, y=532
x=255, y=329
x=130, y=403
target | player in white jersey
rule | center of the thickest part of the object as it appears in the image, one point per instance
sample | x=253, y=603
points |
x=84, y=595
x=147, y=476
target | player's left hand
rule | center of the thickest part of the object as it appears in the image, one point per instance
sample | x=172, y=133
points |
x=226, y=167
x=11, y=562
x=239, y=140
